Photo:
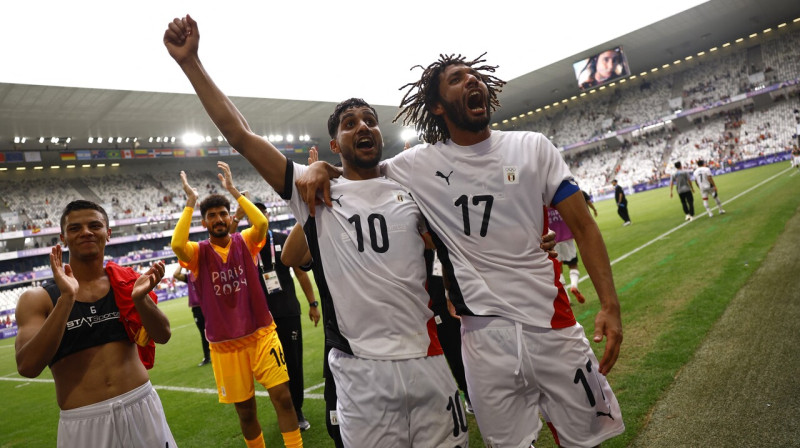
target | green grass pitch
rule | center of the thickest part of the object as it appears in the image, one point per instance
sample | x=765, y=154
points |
x=671, y=291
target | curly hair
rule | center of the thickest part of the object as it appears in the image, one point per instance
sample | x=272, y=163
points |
x=214, y=200
x=422, y=96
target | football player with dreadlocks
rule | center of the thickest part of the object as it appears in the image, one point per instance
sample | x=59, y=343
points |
x=523, y=350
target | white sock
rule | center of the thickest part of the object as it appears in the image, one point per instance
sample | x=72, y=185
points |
x=561, y=279
x=574, y=276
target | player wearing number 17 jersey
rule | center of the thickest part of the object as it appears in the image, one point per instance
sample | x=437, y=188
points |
x=483, y=193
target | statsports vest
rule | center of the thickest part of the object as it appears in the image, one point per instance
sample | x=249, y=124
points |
x=231, y=297
x=90, y=324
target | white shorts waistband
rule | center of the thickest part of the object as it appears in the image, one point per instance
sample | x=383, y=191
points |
x=104, y=407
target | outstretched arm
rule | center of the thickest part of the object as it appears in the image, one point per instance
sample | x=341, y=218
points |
x=608, y=322
x=182, y=39
x=180, y=243
x=259, y=224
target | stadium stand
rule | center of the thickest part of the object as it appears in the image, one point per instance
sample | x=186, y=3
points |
x=632, y=131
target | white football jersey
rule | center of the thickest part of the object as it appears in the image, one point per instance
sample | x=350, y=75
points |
x=485, y=204
x=368, y=260
x=702, y=176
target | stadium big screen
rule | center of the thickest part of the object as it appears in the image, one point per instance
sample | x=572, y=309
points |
x=601, y=68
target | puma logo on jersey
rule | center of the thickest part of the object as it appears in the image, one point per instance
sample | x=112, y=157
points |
x=446, y=178
x=337, y=200
x=607, y=414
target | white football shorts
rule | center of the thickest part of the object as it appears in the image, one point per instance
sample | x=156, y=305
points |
x=516, y=371
x=134, y=419
x=398, y=403
x=566, y=251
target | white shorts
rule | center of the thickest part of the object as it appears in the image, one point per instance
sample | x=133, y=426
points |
x=399, y=403
x=516, y=371
x=796, y=161
x=133, y=419
x=705, y=193
x=566, y=251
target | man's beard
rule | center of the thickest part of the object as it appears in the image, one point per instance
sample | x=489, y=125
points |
x=363, y=163
x=218, y=233
x=458, y=115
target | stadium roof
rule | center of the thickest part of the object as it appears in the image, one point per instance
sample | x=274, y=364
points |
x=31, y=111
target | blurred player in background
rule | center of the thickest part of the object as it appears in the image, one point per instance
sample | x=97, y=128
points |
x=622, y=203
x=197, y=312
x=683, y=182
x=705, y=182
x=285, y=308
x=567, y=252
x=589, y=202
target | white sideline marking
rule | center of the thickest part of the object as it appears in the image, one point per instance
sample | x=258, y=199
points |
x=193, y=390
x=26, y=380
x=686, y=223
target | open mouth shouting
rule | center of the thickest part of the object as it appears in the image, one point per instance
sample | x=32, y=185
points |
x=365, y=143
x=476, y=102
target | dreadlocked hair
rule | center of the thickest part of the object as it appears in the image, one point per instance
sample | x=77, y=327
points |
x=422, y=95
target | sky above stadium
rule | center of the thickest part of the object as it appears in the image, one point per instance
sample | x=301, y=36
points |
x=309, y=50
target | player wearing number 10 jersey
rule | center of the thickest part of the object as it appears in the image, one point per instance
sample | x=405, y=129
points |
x=393, y=384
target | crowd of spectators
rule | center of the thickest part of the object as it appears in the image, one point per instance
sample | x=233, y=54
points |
x=720, y=138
